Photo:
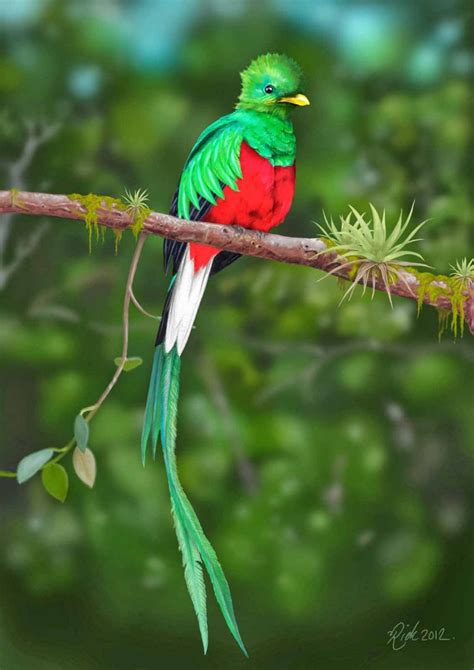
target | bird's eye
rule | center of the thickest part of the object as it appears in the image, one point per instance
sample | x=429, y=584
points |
x=269, y=88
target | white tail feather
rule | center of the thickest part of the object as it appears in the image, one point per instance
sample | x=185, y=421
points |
x=188, y=290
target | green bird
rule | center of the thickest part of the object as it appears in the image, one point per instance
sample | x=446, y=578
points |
x=241, y=171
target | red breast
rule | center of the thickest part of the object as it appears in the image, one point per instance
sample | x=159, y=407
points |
x=263, y=200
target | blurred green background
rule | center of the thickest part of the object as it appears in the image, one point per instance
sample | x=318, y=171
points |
x=328, y=450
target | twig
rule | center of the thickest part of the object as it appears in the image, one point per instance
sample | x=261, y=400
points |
x=324, y=355
x=92, y=410
x=335, y=350
x=23, y=249
x=245, y=468
x=36, y=136
x=300, y=251
x=142, y=309
x=306, y=375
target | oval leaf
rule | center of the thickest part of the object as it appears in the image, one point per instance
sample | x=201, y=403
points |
x=30, y=465
x=130, y=363
x=81, y=432
x=85, y=466
x=55, y=481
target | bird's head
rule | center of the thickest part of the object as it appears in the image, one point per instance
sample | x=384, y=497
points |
x=273, y=84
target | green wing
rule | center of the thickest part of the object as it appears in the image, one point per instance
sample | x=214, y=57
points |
x=213, y=161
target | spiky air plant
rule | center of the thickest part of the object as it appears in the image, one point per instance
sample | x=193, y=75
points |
x=137, y=208
x=463, y=272
x=374, y=253
x=135, y=201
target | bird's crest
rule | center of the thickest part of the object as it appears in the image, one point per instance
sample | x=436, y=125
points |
x=268, y=78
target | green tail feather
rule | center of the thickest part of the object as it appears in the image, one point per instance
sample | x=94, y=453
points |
x=151, y=421
x=193, y=575
x=160, y=416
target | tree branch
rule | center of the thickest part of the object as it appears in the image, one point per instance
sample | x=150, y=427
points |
x=298, y=251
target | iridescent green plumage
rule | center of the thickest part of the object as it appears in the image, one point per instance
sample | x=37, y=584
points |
x=214, y=160
x=277, y=70
x=262, y=121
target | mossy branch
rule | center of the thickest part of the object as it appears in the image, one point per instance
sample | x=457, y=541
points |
x=439, y=291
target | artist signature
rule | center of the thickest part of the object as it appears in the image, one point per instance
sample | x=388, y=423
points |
x=402, y=633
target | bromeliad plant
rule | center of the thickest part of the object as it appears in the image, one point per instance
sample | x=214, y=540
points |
x=373, y=252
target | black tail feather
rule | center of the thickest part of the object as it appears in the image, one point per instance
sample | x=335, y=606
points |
x=164, y=318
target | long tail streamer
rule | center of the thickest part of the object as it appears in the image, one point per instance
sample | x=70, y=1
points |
x=160, y=421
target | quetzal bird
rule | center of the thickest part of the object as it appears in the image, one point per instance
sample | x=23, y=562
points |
x=241, y=171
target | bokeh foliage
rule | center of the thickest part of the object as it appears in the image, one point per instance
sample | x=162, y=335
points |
x=328, y=450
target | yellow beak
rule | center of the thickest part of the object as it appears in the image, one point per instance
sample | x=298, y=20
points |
x=298, y=99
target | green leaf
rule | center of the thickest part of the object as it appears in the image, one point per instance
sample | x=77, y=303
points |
x=56, y=481
x=81, y=432
x=30, y=465
x=130, y=363
x=85, y=466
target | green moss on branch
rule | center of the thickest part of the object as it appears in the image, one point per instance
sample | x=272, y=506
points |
x=435, y=287
x=92, y=203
